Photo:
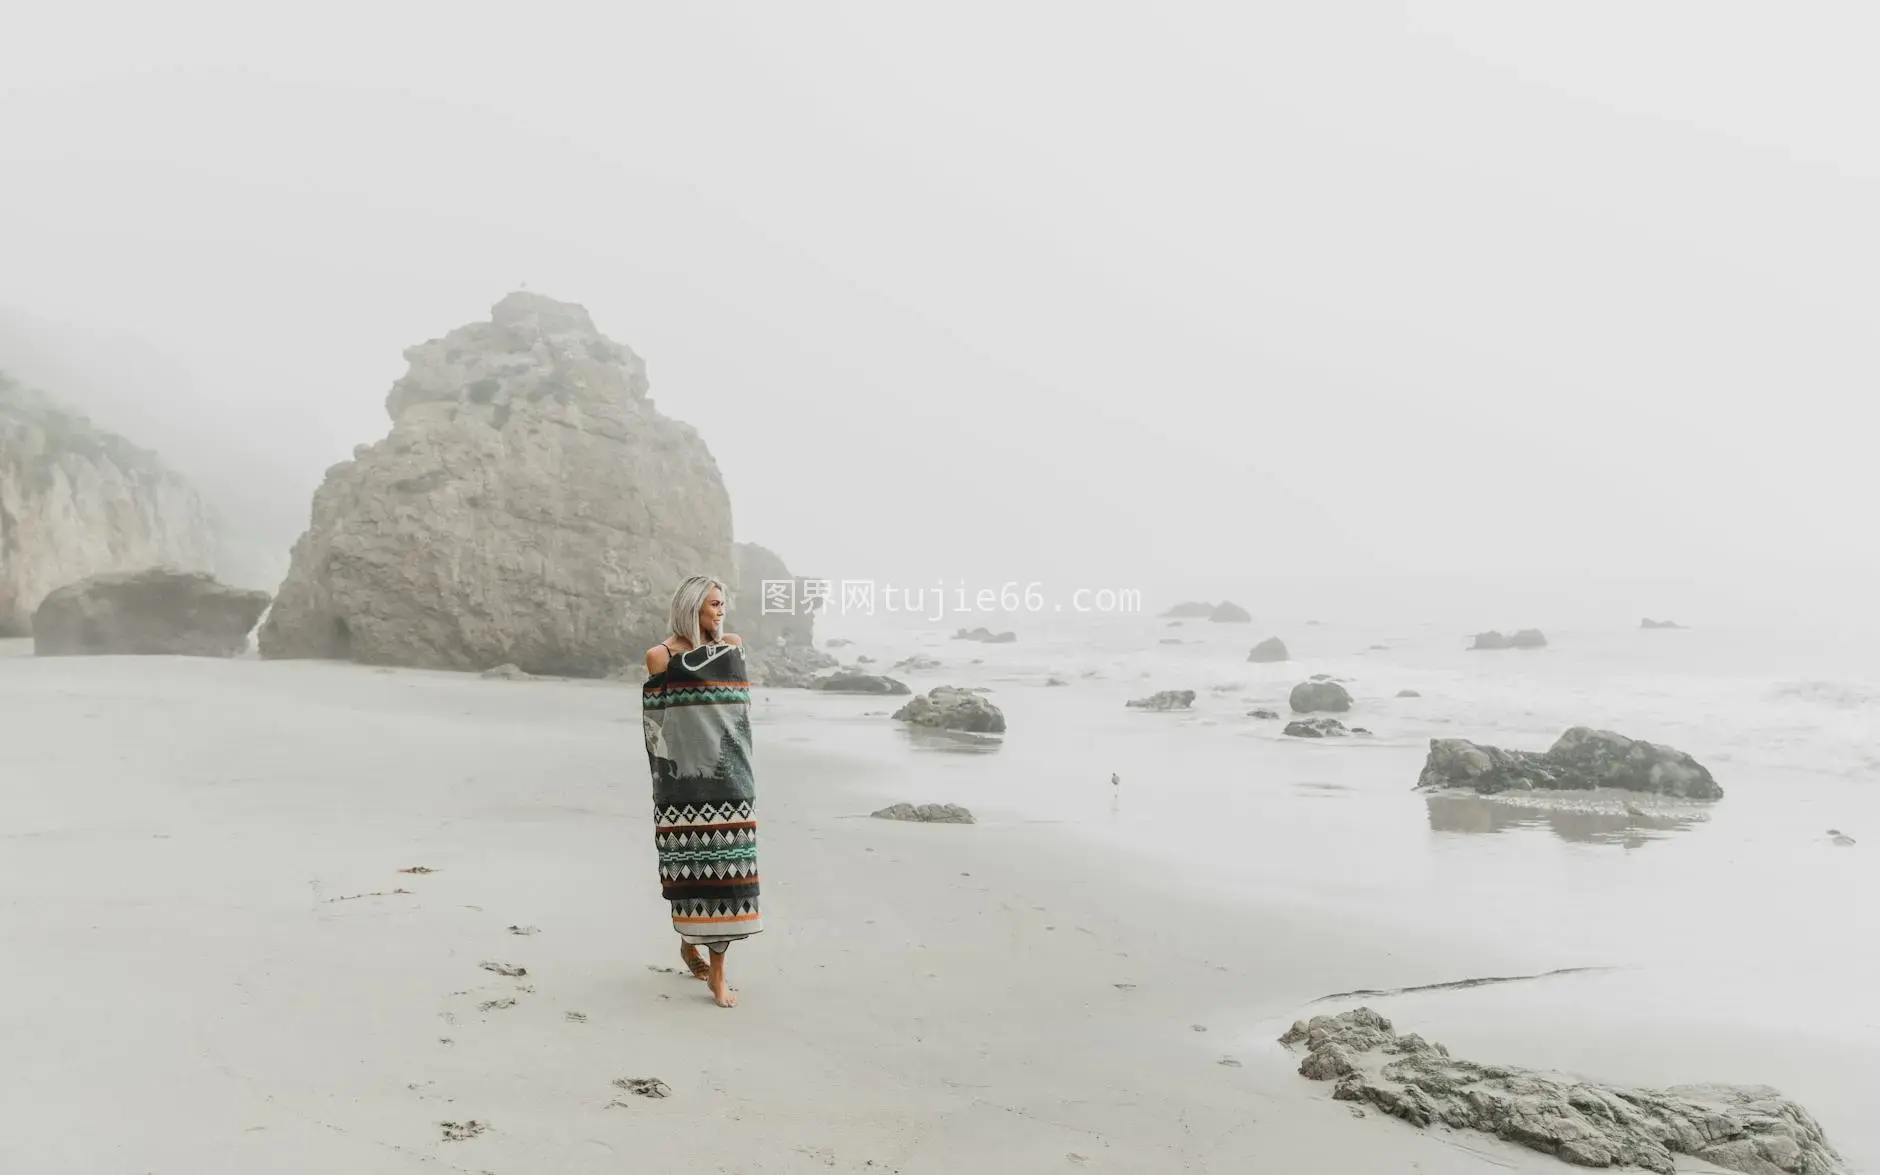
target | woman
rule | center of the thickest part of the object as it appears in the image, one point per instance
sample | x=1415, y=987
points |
x=697, y=714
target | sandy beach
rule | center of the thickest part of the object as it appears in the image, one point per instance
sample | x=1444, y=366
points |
x=218, y=962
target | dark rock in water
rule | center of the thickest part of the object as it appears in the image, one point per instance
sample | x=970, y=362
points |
x=1168, y=699
x=160, y=611
x=947, y=708
x=1263, y=713
x=1527, y=638
x=787, y=666
x=985, y=636
x=1191, y=610
x=1310, y=697
x=1228, y=612
x=1359, y=730
x=1648, y=622
x=1580, y=760
x=925, y=813
x=1316, y=728
x=1408, y=693
x=1752, y=1129
x=1055, y=681
x=918, y=664
x=858, y=683
x=1268, y=651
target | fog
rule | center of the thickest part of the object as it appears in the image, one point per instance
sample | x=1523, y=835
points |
x=1488, y=313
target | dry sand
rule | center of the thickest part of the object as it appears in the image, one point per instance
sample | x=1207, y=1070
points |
x=210, y=966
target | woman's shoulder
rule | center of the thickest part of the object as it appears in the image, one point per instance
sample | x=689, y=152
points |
x=658, y=657
x=732, y=638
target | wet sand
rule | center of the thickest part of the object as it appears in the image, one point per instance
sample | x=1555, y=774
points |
x=219, y=961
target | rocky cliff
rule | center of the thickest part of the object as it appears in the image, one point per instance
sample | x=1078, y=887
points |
x=77, y=500
x=529, y=507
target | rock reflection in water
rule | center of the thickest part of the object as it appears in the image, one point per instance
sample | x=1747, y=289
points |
x=959, y=742
x=1581, y=823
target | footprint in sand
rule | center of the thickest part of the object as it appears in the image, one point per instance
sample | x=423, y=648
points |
x=418, y=869
x=507, y=969
x=524, y=930
x=460, y=1131
x=496, y=1005
x=643, y=1086
x=575, y=1017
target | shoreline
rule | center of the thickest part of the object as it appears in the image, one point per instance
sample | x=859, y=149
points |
x=205, y=864
x=217, y=883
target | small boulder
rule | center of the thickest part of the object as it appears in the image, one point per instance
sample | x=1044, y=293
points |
x=1316, y=728
x=1268, y=651
x=1191, y=610
x=1168, y=699
x=506, y=673
x=159, y=611
x=1263, y=713
x=925, y=813
x=1309, y=697
x=1408, y=693
x=1228, y=612
x=947, y=708
x=857, y=683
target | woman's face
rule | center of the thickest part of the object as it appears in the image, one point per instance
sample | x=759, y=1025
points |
x=711, y=615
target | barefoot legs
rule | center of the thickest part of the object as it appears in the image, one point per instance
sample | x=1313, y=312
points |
x=694, y=961
x=721, y=990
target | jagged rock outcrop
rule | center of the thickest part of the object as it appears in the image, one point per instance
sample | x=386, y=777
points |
x=1268, y=651
x=1753, y=1129
x=158, y=611
x=77, y=500
x=946, y=707
x=1319, y=695
x=1168, y=699
x=1580, y=760
x=530, y=506
x=1527, y=638
x=985, y=636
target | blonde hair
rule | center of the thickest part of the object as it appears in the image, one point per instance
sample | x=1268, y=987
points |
x=687, y=600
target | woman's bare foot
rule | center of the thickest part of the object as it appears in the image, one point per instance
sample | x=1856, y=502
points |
x=694, y=961
x=721, y=990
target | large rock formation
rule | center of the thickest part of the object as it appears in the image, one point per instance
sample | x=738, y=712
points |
x=1752, y=1128
x=157, y=611
x=530, y=506
x=77, y=500
x=787, y=619
x=1580, y=760
x=946, y=707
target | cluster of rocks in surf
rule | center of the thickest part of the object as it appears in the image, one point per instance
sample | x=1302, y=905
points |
x=1527, y=638
x=1752, y=1129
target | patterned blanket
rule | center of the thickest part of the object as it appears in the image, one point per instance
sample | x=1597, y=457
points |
x=697, y=715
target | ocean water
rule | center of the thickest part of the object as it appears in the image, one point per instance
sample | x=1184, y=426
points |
x=1731, y=942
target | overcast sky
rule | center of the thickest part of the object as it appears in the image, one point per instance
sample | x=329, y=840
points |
x=1352, y=303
